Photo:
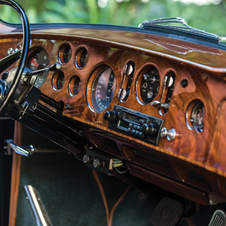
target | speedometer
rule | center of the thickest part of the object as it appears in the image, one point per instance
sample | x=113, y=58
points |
x=36, y=61
x=103, y=89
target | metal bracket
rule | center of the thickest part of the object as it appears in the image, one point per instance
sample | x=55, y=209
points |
x=7, y=148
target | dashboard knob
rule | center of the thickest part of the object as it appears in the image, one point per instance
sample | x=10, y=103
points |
x=87, y=159
x=120, y=114
x=170, y=135
x=5, y=75
x=149, y=129
x=110, y=116
x=97, y=163
x=158, y=104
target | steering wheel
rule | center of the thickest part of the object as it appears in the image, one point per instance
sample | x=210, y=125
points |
x=8, y=95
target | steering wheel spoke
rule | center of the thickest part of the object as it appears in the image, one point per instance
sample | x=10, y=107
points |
x=9, y=60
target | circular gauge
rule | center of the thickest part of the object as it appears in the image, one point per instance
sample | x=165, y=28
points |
x=74, y=85
x=148, y=84
x=195, y=116
x=64, y=53
x=58, y=80
x=36, y=61
x=103, y=88
x=81, y=58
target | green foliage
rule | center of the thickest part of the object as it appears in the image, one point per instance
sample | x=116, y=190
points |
x=128, y=12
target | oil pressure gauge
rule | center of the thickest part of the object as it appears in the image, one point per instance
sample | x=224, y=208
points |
x=147, y=85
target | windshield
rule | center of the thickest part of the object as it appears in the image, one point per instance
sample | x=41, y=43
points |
x=123, y=12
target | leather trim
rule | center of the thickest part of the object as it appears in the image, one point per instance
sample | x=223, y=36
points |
x=15, y=177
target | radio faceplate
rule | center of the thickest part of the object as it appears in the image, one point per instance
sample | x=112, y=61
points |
x=134, y=124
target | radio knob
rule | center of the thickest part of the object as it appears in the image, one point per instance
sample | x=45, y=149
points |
x=149, y=129
x=120, y=114
x=110, y=116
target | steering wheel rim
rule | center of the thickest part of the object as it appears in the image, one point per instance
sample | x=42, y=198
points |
x=24, y=52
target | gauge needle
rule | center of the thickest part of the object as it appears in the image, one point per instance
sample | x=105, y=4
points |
x=110, y=85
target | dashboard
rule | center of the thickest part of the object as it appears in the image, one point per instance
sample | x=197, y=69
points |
x=157, y=105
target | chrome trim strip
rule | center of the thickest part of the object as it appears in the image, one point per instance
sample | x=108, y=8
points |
x=37, y=207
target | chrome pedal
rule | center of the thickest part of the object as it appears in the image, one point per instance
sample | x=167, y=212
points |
x=167, y=213
x=218, y=219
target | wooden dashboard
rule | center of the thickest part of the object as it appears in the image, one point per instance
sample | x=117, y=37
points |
x=188, y=78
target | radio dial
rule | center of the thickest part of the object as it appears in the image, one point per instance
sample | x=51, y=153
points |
x=110, y=116
x=120, y=114
x=149, y=129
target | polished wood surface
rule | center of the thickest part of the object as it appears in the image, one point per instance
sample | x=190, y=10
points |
x=188, y=53
x=203, y=67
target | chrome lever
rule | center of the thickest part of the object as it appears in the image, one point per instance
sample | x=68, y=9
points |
x=37, y=206
x=31, y=76
x=53, y=67
x=158, y=104
x=25, y=151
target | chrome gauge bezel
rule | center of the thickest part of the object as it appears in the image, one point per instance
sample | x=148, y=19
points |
x=74, y=85
x=139, y=83
x=34, y=53
x=81, y=57
x=64, y=53
x=58, y=80
x=192, y=112
x=93, y=84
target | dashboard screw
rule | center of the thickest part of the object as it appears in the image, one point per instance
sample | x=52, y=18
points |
x=205, y=77
x=184, y=83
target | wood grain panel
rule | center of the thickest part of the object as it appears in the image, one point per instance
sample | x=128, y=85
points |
x=188, y=145
x=203, y=68
x=216, y=158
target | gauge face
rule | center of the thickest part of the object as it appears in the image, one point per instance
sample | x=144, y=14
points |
x=197, y=117
x=58, y=80
x=149, y=85
x=81, y=58
x=103, y=89
x=65, y=53
x=74, y=85
x=36, y=61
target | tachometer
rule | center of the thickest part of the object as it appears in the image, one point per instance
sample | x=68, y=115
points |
x=103, y=89
x=38, y=60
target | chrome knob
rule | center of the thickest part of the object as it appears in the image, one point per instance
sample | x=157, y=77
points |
x=170, y=135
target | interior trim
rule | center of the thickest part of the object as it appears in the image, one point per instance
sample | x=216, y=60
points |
x=15, y=178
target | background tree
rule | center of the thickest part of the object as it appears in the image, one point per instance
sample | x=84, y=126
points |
x=209, y=17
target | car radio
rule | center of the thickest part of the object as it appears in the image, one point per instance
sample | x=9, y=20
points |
x=134, y=124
